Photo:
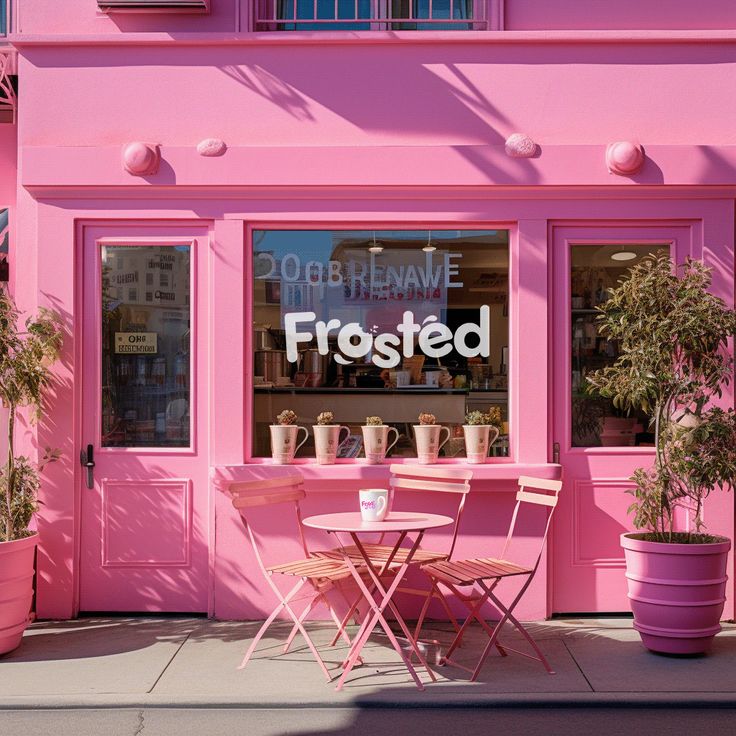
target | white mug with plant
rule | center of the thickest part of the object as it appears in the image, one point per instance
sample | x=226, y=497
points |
x=375, y=439
x=427, y=434
x=477, y=431
x=673, y=363
x=26, y=357
x=284, y=437
x=327, y=438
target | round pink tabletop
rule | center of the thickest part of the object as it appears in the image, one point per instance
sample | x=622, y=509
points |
x=396, y=521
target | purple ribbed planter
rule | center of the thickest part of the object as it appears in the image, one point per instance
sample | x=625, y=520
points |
x=16, y=590
x=677, y=592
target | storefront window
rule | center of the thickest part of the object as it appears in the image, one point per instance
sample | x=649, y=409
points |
x=145, y=347
x=385, y=323
x=595, y=422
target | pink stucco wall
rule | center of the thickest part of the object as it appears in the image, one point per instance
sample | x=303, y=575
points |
x=395, y=129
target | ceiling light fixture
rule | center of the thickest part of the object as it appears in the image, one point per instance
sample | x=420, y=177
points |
x=623, y=255
x=375, y=248
x=429, y=248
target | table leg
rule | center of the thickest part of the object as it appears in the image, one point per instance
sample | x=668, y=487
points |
x=391, y=604
x=377, y=610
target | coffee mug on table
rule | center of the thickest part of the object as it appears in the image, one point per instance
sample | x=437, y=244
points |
x=284, y=442
x=373, y=504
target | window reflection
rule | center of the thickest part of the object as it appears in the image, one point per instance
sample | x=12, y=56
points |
x=146, y=345
x=595, y=269
x=375, y=293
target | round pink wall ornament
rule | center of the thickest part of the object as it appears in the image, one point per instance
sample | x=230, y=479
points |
x=519, y=145
x=141, y=159
x=211, y=147
x=624, y=158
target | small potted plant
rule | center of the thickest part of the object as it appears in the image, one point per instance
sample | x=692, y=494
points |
x=427, y=434
x=25, y=372
x=327, y=438
x=375, y=439
x=477, y=430
x=673, y=362
x=284, y=436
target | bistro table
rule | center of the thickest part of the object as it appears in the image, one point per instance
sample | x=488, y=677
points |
x=402, y=523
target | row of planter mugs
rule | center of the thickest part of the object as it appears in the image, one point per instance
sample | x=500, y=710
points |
x=430, y=438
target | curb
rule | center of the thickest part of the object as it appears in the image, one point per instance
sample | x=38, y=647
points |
x=555, y=700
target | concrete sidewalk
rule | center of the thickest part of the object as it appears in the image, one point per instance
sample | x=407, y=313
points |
x=189, y=662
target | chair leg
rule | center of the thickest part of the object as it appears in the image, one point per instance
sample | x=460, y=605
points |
x=333, y=615
x=473, y=607
x=260, y=633
x=341, y=626
x=520, y=628
x=423, y=613
x=448, y=610
x=292, y=634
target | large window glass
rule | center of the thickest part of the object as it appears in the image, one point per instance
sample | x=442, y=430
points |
x=146, y=343
x=595, y=269
x=385, y=323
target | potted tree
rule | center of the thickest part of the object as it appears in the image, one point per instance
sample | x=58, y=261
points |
x=25, y=371
x=673, y=362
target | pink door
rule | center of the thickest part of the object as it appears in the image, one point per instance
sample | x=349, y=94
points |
x=144, y=480
x=599, y=447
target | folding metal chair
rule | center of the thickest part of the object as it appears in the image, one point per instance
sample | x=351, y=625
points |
x=317, y=573
x=412, y=478
x=487, y=573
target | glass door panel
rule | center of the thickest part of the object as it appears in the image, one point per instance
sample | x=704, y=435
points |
x=595, y=269
x=146, y=346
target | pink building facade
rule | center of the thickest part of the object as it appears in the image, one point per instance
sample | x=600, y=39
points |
x=272, y=143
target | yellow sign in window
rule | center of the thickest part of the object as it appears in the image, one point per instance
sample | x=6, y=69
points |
x=136, y=342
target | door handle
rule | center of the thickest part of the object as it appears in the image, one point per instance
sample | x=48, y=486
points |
x=87, y=461
x=556, y=453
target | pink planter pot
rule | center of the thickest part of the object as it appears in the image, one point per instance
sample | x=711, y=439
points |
x=16, y=590
x=677, y=592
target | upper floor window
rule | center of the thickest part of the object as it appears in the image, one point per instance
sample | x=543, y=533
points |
x=370, y=15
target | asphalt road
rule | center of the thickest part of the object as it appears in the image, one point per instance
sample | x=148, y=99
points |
x=549, y=721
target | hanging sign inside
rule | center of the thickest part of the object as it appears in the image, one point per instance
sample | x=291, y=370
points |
x=137, y=343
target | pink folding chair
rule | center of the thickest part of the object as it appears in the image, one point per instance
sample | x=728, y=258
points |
x=487, y=573
x=413, y=478
x=318, y=574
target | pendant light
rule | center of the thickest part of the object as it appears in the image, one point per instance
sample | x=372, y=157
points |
x=623, y=255
x=375, y=248
x=429, y=248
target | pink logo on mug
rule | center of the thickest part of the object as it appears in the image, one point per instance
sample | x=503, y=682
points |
x=373, y=504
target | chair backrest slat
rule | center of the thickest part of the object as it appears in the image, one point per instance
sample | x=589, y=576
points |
x=538, y=498
x=283, y=481
x=542, y=484
x=411, y=484
x=247, y=500
x=431, y=471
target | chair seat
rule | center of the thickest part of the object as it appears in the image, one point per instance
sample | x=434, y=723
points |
x=466, y=572
x=314, y=568
x=379, y=553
